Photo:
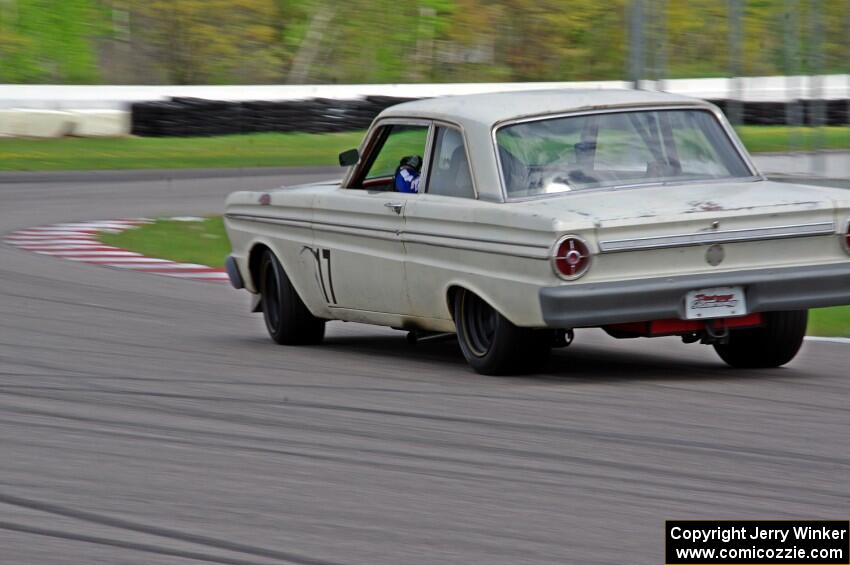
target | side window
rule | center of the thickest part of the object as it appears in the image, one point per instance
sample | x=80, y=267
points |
x=401, y=141
x=449, y=173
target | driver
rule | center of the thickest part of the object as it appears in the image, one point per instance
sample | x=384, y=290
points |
x=407, y=174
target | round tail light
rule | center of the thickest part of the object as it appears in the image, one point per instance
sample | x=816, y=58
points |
x=571, y=258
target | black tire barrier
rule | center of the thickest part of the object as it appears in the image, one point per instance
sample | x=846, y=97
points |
x=802, y=112
x=186, y=117
x=193, y=117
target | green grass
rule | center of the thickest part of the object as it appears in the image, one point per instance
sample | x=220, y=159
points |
x=410, y=140
x=765, y=139
x=832, y=322
x=202, y=242
x=231, y=151
x=278, y=149
x=206, y=243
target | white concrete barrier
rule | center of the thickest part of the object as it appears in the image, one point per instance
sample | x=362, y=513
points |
x=53, y=123
x=100, y=123
x=62, y=97
x=35, y=123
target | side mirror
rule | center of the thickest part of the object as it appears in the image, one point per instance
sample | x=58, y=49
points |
x=348, y=158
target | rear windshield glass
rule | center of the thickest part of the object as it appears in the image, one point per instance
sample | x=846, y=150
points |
x=557, y=155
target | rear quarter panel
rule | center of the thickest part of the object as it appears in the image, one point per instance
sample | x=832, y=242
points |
x=494, y=250
x=282, y=225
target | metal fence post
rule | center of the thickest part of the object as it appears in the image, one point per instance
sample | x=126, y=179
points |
x=661, y=55
x=791, y=54
x=636, y=43
x=816, y=93
x=734, y=103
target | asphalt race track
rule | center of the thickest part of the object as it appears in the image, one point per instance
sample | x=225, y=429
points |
x=149, y=420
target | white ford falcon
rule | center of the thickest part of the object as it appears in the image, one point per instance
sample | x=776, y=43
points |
x=511, y=219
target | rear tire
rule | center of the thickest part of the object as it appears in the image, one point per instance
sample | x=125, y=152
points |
x=771, y=345
x=491, y=344
x=288, y=320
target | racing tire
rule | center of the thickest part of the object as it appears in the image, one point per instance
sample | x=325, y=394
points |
x=288, y=320
x=773, y=344
x=491, y=344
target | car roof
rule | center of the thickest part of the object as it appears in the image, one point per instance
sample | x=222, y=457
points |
x=478, y=114
x=491, y=108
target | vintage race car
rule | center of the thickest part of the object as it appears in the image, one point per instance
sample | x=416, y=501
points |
x=535, y=213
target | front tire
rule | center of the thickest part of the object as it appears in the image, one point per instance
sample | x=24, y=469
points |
x=288, y=320
x=491, y=344
x=771, y=345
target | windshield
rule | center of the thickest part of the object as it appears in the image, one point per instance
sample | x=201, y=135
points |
x=556, y=155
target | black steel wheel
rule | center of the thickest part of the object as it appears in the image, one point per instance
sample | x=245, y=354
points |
x=773, y=344
x=479, y=321
x=491, y=344
x=288, y=320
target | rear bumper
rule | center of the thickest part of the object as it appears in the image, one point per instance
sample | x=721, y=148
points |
x=597, y=304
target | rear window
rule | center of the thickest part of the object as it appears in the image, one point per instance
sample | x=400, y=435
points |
x=556, y=155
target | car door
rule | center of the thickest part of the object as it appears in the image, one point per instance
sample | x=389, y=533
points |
x=438, y=224
x=357, y=228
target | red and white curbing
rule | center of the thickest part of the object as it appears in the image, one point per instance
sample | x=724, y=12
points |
x=78, y=241
x=844, y=340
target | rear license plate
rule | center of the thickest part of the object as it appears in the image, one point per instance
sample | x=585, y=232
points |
x=720, y=302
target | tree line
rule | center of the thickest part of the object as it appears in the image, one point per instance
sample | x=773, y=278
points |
x=381, y=41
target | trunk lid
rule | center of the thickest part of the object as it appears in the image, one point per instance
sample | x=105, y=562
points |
x=661, y=230
x=682, y=204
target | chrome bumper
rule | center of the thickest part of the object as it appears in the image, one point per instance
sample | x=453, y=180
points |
x=597, y=304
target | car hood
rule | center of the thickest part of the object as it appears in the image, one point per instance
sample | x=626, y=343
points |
x=681, y=203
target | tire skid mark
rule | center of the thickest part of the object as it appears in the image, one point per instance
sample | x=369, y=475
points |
x=177, y=535
x=126, y=545
x=482, y=470
x=265, y=401
x=78, y=304
x=727, y=452
x=78, y=242
x=222, y=359
x=240, y=439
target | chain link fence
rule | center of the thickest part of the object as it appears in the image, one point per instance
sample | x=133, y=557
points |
x=803, y=101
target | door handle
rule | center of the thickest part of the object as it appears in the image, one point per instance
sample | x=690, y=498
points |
x=395, y=206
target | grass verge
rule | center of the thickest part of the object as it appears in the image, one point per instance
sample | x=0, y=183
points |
x=830, y=322
x=206, y=242
x=230, y=151
x=767, y=139
x=203, y=242
x=283, y=149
